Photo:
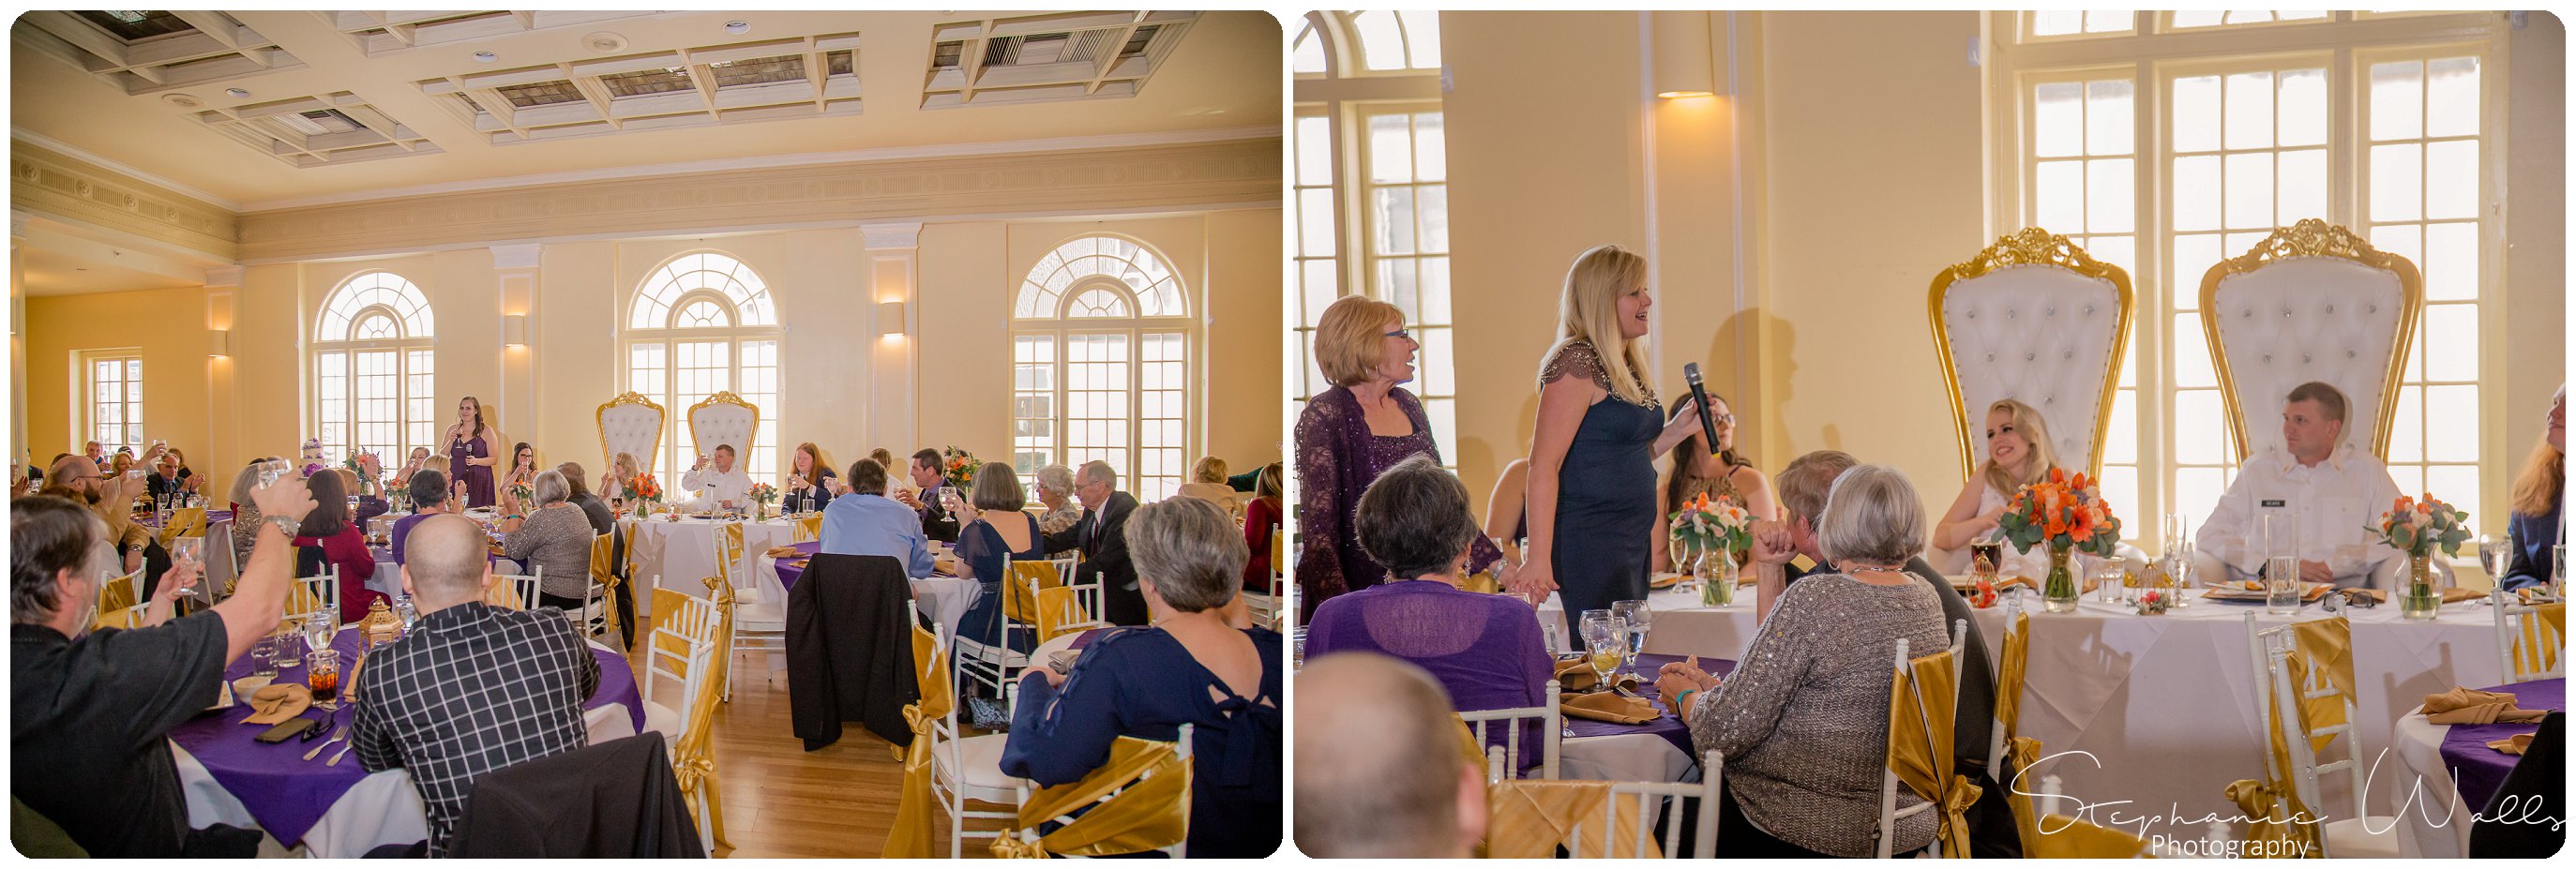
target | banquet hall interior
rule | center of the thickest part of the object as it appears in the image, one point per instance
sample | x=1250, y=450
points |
x=786, y=240
x=1864, y=230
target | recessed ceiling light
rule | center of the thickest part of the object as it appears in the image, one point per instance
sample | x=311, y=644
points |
x=737, y=27
x=237, y=93
x=485, y=57
x=603, y=42
x=182, y=100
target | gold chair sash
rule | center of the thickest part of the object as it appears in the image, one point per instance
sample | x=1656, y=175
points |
x=915, y=821
x=1140, y=801
x=1481, y=583
x=184, y=522
x=1468, y=746
x=2320, y=649
x=1920, y=722
x=1058, y=610
x=603, y=550
x=1531, y=818
x=1016, y=604
x=2263, y=805
x=503, y=594
x=2023, y=753
x=806, y=529
x=2536, y=652
x=115, y=596
x=729, y=539
x=300, y=596
x=2009, y=673
x=693, y=759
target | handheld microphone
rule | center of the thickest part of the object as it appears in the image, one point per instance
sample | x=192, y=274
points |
x=1699, y=393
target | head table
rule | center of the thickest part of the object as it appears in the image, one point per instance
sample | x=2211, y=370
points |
x=343, y=810
x=2437, y=755
x=2152, y=716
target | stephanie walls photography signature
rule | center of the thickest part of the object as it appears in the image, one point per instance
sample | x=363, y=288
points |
x=2174, y=826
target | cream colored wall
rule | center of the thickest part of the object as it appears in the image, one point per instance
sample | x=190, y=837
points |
x=2533, y=317
x=1245, y=399
x=167, y=326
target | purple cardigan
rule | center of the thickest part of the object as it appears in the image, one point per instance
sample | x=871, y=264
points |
x=1337, y=458
x=1485, y=649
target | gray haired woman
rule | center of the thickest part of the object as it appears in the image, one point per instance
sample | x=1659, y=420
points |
x=1055, y=493
x=1803, y=720
x=556, y=537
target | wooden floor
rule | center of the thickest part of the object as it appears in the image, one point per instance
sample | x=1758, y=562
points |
x=783, y=801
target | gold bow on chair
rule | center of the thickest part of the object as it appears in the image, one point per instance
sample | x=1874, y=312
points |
x=806, y=529
x=603, y=571
x=1920, y=722
x=2275, y=818
x=2536, y=653
x=2323, y=648
x=184, y=522
x=2009, y=674
x=1531, y=818
x=693, y=760
x=1140, y=801
x=2023, y=753
x=1016, y=603
x=915, y=821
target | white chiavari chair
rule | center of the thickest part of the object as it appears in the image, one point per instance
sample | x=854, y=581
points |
x=1549, y=720
x=2303, y=715
x=2531, y=639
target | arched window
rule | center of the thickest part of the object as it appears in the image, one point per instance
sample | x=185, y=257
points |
x=1101, y=364
x=700, y=324
x=374, y=372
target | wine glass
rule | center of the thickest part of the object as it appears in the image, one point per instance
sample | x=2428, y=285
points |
x=189, y=552
x=1601, y=643
x=319, y=628
x=1639, y=618
x=2495, y=553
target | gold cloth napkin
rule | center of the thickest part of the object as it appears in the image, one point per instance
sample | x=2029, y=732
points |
x=784, y=552
x=2515, y=744
x=1606, y=706
x=277, y=703
x=2472, y=706
x=1576, y=677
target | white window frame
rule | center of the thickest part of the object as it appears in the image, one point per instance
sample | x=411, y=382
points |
x=1056, y=325
x=2152, y=55
x=417, y=418
x=129, y=362
x=757, y=459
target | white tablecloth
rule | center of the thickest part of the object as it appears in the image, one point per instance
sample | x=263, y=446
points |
x=680, y=555
x=942, y=598
x=382, y=809
x=2158, y=711
x=2437, y=824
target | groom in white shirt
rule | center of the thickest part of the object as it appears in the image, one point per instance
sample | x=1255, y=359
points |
x=722, y=487
x=2329, y=491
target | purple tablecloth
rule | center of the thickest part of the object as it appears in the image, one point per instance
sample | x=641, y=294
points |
x=1668, y=727
x=791, y=570
x=287, y=794
x=2481, y=769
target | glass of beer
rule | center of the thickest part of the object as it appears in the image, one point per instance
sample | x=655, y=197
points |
x=322, y=672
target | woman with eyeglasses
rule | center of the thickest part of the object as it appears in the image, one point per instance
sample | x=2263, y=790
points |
x=1717, y=473
x=1351, y=433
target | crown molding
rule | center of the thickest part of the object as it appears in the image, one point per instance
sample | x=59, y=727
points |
x=891, y=235
x=75, y=191
x=864, y=155
x=68, y=150
x=1219, y=175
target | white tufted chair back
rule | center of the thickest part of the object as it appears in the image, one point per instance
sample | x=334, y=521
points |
x=723, y=418
x=2033, y=318
x=2311, y=302
x=630, y=423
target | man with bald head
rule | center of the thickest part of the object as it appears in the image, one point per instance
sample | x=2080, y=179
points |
x=1380, y=771
x=77, y=478
x=472, y=687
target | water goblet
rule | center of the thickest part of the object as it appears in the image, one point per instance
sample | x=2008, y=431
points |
x=1639, y=618
x=189, y=551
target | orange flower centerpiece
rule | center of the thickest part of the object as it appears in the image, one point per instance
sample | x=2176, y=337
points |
x=648, y=492
x=2417, y=528
x=1707, y=533
x=2067, y=514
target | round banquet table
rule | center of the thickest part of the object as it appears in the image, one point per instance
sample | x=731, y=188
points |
x=678, y=555
x=942, y=598
x=2161, y=708
x=336, y=811
x=2434, y=756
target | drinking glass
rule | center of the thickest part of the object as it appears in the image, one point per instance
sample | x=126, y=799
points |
x=274, y=470
x=189, y=551
x=322, y=673
x=290, y=648
x=2281, y=586
x=1601, y=641
x=1639, y=618
x=1554, y=632
x=2110, y=579
x=263, y=657
x=2558, y=570
x=2179, y=566
x=319, y=628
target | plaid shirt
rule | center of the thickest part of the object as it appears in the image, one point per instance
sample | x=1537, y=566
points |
x=473, y=688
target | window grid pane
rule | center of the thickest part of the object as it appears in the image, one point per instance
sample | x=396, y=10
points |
x=2088, y=193
x=1164, y=375
x=116, y=402
x=2423, y=176
x=1033, y=403
x=1097, y=392
x=1407, y=255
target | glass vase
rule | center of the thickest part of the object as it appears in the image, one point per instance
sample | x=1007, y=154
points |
x=2060, y=592
x=2422, y=600
x=1716, y=573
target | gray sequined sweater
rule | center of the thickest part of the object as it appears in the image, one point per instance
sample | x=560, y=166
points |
x=1803, y=719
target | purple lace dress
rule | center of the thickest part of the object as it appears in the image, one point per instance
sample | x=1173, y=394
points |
x=1485, y=649
x=1337, y=458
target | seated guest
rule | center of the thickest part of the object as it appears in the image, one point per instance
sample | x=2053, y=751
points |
x=1055, y=494
x=1718, y=472
x=996, y=534
x=2330, y=491
x=523, y=466
x=245, y=528
x=91, y=711
x=809, y=480
x=1400, y=791
x=885, y=459
x=471, y=688
x=97, y=454
x=604, y=521
x=170, y=479
x=1189, y=667
x=77, y=479
x=601, y=521
x=556, y=537
x=120, y=463
x=619, y=485
x=722, y=487
x=362, y=483
x=1261, y=522
x=1207, y=480
x=429, y=497
x=2536, y=495
x=1485, y=649
x=1803, y=720
x=930, y=503
x=411, y=465
x=2018, y=453
x=328, y=540
x=866, y=522
x=1102, y=538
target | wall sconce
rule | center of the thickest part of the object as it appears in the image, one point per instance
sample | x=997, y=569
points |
x=219, y=342
x=514, y=330
x=890, y=319
x=1682, y=56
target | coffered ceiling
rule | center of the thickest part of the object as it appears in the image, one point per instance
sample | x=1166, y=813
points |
x=271, y=109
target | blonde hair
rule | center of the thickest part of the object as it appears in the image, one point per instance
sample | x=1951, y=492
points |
x=1588, y=311
x=1348, y=338
x=1210, y=469
x=2043, y=455
x=437, y=462
x=623, y=458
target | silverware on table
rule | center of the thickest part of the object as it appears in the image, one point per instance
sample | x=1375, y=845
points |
x=344, y=752
x=336, y=735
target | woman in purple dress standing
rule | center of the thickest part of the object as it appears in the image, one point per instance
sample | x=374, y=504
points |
x=1351, y=433
x=472, y=448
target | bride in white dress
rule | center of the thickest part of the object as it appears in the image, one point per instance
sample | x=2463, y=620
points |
x=2017, y=454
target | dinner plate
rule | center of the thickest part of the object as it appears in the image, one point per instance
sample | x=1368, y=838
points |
x=2239, y=592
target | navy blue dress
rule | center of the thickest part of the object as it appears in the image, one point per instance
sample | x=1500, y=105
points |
x=1605, y=495
x=1141, y=682
x=981, y=546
